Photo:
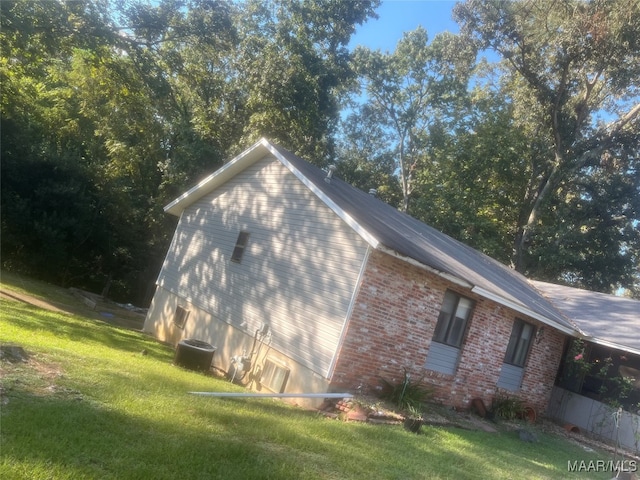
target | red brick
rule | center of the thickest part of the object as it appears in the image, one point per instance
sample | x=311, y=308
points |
x=391, y=328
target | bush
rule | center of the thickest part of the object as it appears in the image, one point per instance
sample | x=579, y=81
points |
x=407, y=394
x=508, y=408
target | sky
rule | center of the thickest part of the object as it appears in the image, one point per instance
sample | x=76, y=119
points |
x=399, y=16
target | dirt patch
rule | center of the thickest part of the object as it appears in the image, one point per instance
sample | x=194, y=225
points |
x=26, y=373
x=86, y=304
x=13, y=353
x=21, y=297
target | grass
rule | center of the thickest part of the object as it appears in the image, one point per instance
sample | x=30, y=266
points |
x=89, y=405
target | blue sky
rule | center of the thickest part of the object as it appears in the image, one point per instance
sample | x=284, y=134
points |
x=399, y=16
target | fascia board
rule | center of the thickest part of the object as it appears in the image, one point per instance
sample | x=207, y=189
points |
x=607, y=343
x=494, y=297
x=526, y=311
x=217, y=178
x=453, y=279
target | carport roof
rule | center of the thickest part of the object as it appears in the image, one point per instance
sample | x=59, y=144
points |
x=609, y=320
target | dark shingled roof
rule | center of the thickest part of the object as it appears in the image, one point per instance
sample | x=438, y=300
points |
x=411, y=238
x=396, y=233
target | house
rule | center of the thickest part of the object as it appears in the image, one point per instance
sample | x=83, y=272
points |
x=307, y=284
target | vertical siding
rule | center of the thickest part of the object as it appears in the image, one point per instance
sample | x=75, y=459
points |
x=298, y=271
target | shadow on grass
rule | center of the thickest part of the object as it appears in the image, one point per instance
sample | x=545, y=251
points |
x=76, y=328
x=176, y=435
x=81, y=439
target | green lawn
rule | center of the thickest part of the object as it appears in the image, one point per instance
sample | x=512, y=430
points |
x=89, y=405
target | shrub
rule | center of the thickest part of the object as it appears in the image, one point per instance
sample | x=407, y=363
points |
x=508, y=408
x=408, y=394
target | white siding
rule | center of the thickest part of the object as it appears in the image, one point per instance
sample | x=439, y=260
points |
x=298, y=271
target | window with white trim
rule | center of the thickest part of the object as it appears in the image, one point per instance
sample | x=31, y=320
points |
x=274, y=376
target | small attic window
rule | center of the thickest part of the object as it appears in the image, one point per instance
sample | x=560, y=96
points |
x=241, y=243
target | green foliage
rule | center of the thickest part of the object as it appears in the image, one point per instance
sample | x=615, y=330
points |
x=110, y=109
x=571, y=71
x=508, y=408
x=409, y=394
x=576, y=363
x=584, y=365
x=536, y=164
x=407, y=92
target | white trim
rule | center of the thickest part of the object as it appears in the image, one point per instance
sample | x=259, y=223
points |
x=524, y=310
x=415, y=263
x=348, y=219
x=221, y=175
x=609, y=344
x=343, y=332
x=272, y=395
x=248, y=157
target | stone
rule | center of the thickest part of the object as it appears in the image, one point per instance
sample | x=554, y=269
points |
x=13, y=353
x=527, y=436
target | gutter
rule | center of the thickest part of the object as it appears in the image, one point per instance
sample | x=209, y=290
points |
x=415, y=263
x=609, y=344
x=576, y=332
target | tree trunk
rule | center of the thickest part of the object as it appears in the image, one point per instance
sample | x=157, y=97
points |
x=523, y=234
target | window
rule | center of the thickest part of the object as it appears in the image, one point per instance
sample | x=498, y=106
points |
x=444, y=352
x=452, y=320
x=241, y=244
x=180, y=317
x=512, y=371
x=274, y=376
x=519, y=343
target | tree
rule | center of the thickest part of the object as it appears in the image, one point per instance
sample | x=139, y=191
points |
x=50, y=209
x=112, y=108
x=473, y=187
x=411, y=90
x=573, y=71
x=364, y=158
x=294, y=62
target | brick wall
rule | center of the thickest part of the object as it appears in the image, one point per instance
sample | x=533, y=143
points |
x=392, y=324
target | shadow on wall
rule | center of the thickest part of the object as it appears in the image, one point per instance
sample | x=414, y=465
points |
x=297, y=274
